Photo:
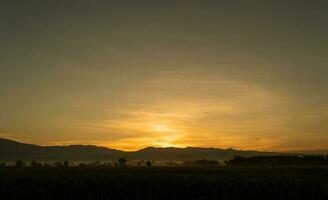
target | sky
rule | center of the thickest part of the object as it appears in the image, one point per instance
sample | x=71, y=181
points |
x=128, y=74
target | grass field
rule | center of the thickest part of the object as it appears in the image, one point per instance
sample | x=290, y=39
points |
x=164, y=183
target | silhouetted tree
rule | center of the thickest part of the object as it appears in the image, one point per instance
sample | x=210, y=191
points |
x=66, y=163
x=149, y=163
x=122, y=161
x=19, y=163
x=82, y=165
x=35, y=164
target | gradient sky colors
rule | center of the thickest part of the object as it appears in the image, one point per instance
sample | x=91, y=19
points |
x=129, y=74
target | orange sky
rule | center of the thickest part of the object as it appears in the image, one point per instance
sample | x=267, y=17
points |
x=131, y=75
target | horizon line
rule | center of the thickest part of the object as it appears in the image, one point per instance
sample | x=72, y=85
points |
x=158, y=147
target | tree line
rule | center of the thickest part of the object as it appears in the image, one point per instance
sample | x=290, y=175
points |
x=118, y=162
x=278, y=160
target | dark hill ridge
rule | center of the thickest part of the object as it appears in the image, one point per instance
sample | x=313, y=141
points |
x=11, y=150
x=194, y=153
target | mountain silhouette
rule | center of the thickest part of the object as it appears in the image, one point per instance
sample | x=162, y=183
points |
x=11, y=151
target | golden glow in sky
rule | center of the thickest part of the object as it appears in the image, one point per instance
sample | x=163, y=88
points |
x=132, y=75
x=172, y=110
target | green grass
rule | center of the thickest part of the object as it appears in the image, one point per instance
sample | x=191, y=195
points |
x=164, y=183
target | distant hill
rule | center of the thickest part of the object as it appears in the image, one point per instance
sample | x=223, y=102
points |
x=193, y=153
x=11, y=151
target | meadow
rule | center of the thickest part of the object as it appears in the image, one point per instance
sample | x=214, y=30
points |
x=224, y=182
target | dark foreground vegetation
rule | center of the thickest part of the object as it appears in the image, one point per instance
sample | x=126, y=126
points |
x=258, y=177
x=284, y=160
x=127, y=182
x=279, y=161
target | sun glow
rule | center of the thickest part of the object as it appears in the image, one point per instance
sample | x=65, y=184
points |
x=162, y=128
x=167, y=135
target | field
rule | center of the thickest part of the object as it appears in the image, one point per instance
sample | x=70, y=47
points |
x=164, y=183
